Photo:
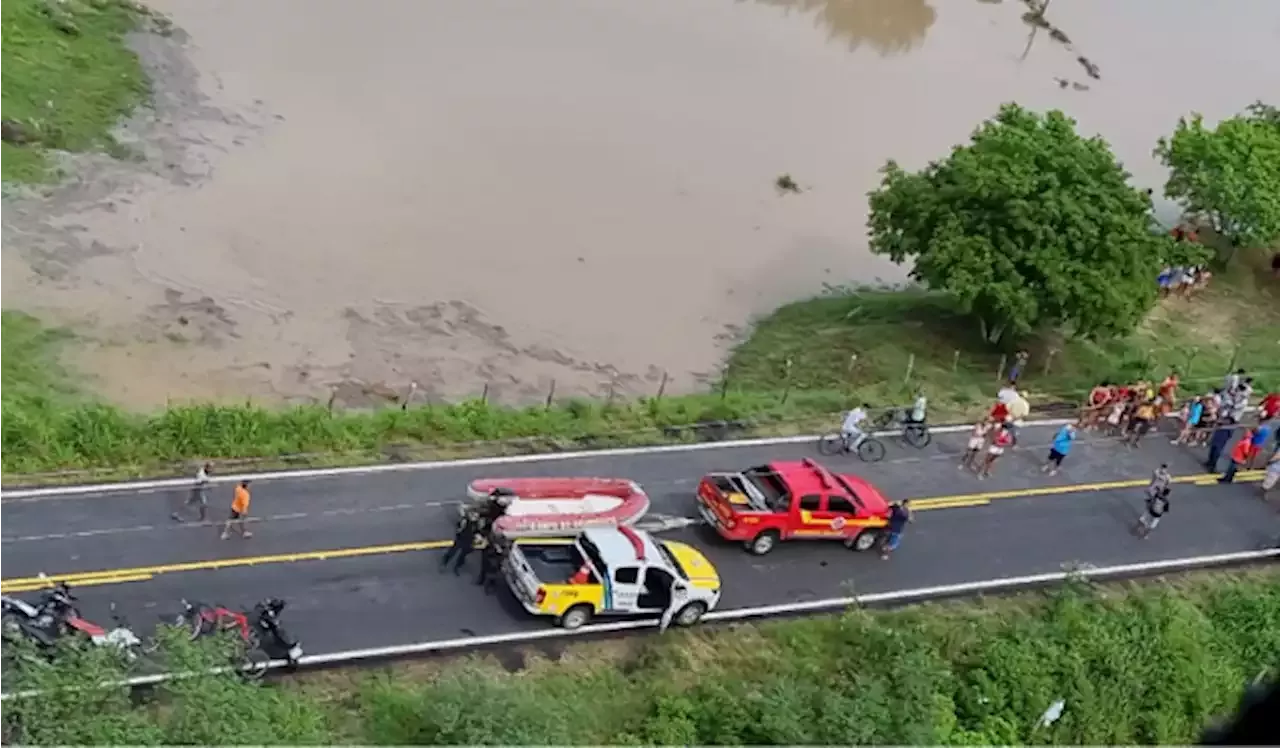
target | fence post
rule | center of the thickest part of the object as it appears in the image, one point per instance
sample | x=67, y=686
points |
x=551, y=395
x=1004, y=359
x=408, y=396
x=333, y=395
x=484, y=394
x=1192, y=352
x=955, y=361
x=662, y=386
x=786, y=378
x=724, y=382
x=911, y=364
x=1048, y=361
x=1235, y=353
x=613, y=384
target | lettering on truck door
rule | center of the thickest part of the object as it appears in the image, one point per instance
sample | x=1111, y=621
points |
x=626, y=588
x=812, y=521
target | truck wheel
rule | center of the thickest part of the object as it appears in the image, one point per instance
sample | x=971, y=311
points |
x=763, y=543
x=691, y=614
x=864, y=541
x=576, y=617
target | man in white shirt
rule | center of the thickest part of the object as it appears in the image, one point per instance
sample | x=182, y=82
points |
x=851, y=429
x=920, y=408
x=199, y=496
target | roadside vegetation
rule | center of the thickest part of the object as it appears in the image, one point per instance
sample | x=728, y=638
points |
x=1154, y=663
x=68, y=79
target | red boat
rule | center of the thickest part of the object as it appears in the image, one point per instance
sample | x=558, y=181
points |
x=557, y=506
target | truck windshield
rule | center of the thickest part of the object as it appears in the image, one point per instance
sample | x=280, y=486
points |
x=671, y=559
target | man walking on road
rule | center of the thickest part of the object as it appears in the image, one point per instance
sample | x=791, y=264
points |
x=1160, y=480
x=1157, y=506
x=899, y=516
x=239, y=512
x=1241, y=455
x=1217, y=445
x=464, y=541
x=1061, y=446
x=199, y=496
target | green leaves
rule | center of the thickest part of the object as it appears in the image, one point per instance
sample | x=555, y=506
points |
x=1229, y=174
x=1027, y=226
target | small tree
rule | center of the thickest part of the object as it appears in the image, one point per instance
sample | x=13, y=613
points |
x=1028, y=226
x=1229, y=174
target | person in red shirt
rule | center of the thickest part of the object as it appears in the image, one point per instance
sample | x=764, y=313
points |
x=1096, y=407
x=1269, y=407
x=1241, y=455
x=1002, y=440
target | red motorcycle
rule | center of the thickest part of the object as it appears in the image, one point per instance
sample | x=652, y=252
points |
x=199, y=619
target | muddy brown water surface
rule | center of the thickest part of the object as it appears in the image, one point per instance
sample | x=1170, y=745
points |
x=363, y=195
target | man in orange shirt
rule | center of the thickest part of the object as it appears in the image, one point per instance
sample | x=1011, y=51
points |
x=239, y=511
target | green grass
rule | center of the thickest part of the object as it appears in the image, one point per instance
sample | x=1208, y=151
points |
x=1153, y=663
x=67, y=78
x=1237, y=321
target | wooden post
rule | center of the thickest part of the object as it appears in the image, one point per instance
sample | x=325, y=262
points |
x=484, y=394
x=613, y=385
x=724, y=382
x=911, y=364
x=551, y=395
x=786, y=379
x=408, y=396
x=1048, y=361
x=1000, y=372
x=955, y=361
x=333, y=395
x=1235, y=353
x=662, y=386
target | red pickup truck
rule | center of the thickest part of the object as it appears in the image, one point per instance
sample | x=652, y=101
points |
x=792, y=500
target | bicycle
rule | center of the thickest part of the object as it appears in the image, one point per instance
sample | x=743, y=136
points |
x=870, y=449
x=914, y=433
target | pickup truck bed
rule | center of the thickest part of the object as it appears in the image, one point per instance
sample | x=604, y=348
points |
x=551, y=564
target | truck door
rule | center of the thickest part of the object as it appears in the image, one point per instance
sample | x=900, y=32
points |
x=806, y=521
x=842, y=515
x=625, y=589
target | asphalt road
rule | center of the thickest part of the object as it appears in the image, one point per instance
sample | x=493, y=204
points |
x=366, y=594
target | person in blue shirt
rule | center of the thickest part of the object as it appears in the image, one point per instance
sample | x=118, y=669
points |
x=1061, y=446
x=1191, y=423
x=899, y=516
x=1261, y=435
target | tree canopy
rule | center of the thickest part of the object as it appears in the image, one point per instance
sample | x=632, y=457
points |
x=1229, y=174
x=1028, y=226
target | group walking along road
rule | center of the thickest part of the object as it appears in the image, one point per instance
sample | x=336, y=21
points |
x=356, y=555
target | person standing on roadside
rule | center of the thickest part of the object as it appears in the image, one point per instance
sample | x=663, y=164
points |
x=1058, y=452
x=1241, y=455
x=1217, y=445
x=1269, y=407
x=239, y=512
x=1157, y=507
x=899, y=516
x=199, y=496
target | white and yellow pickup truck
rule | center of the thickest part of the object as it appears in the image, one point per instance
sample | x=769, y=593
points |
x=611, y=571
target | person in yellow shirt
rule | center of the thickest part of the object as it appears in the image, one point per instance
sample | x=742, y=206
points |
x=239, y=511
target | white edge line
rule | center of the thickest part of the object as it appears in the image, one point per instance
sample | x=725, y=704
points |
x=918, y=594
x=137, y=486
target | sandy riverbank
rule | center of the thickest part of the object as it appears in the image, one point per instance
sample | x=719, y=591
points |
x=457, y=193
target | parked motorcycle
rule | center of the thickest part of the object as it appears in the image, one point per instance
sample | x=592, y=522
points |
x=200, y=619
x=57, y=616
x=275, y=637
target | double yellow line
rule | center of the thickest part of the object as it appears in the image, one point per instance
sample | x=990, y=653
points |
x=145, y=573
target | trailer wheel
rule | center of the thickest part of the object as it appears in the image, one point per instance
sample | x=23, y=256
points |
x=763, y=543
x=576, y=617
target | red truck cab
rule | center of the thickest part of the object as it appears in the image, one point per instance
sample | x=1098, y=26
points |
x=791, y=501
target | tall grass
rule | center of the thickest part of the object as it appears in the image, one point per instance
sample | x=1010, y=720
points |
x=1153, y=664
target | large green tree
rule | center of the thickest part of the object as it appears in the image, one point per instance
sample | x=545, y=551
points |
x=1029, y=226
x=1229, y=174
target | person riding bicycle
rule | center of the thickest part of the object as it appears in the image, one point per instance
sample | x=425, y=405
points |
x=851, y=430
x=919, y=409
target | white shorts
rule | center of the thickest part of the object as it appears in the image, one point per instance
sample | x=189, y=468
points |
x=1270, y=479
x=976, y=442
x=995, y=450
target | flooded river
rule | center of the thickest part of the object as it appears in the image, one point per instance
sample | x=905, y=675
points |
x=459, y=192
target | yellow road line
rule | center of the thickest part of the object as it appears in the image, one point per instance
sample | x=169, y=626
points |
x=144, y=573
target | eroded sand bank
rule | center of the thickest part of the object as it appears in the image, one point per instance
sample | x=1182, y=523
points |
x=361, y=195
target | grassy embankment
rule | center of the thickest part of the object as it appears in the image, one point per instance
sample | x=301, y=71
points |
x=48, y=426
x=1152, y=663
x=68, y=79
